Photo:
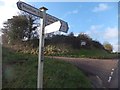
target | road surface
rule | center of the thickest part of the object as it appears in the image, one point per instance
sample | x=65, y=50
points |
x=102, y=72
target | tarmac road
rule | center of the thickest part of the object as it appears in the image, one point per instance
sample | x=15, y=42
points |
x=106, y=71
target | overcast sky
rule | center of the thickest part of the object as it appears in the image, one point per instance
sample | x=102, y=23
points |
x=98, y=19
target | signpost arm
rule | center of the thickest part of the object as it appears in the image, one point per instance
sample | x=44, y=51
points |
x=41, y=50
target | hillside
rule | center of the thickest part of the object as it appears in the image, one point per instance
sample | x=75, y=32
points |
x=61, y=45
x=71, y=46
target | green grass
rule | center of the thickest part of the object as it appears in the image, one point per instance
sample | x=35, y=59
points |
x=94, y=53
x=63, y=75
x=20, y=71
x=89, y=53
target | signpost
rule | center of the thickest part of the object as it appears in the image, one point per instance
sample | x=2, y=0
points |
x=46, y=19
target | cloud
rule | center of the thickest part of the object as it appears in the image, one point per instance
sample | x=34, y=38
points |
x=8, y=9
x=74, y=12
x=95, y=27
x=101, y=7
x=111, y=33
x=102, y=34
x=71, y=12
x=95, y=30
x=116, y=47
x=106, y=32
x=1, y=3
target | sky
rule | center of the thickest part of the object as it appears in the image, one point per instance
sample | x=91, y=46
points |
x=98, y=19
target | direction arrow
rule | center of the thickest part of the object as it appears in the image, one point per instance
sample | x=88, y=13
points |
x=53, y=27
x=29, y=9
x=51, y=19
x=64, y=27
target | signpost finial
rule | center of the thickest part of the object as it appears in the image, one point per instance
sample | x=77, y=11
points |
x=43, y=8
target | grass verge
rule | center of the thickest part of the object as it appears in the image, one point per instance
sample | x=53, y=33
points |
x=20, y=71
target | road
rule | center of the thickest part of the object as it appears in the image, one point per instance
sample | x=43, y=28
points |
x=105, y=71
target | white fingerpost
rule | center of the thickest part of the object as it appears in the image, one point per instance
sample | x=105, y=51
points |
x=61, y=25
x=41, y=49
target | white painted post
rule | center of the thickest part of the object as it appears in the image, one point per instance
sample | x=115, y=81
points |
x=41, y=50
x=111, y=73
x=109, y=79
x=112, y=69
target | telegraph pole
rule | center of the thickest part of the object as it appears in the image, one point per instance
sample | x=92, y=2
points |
x=41, y=49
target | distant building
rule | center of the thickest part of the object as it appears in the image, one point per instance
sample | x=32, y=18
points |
x=83, y=43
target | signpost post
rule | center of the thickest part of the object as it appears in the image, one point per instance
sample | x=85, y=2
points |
x=41, y=50
x=46, y=19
